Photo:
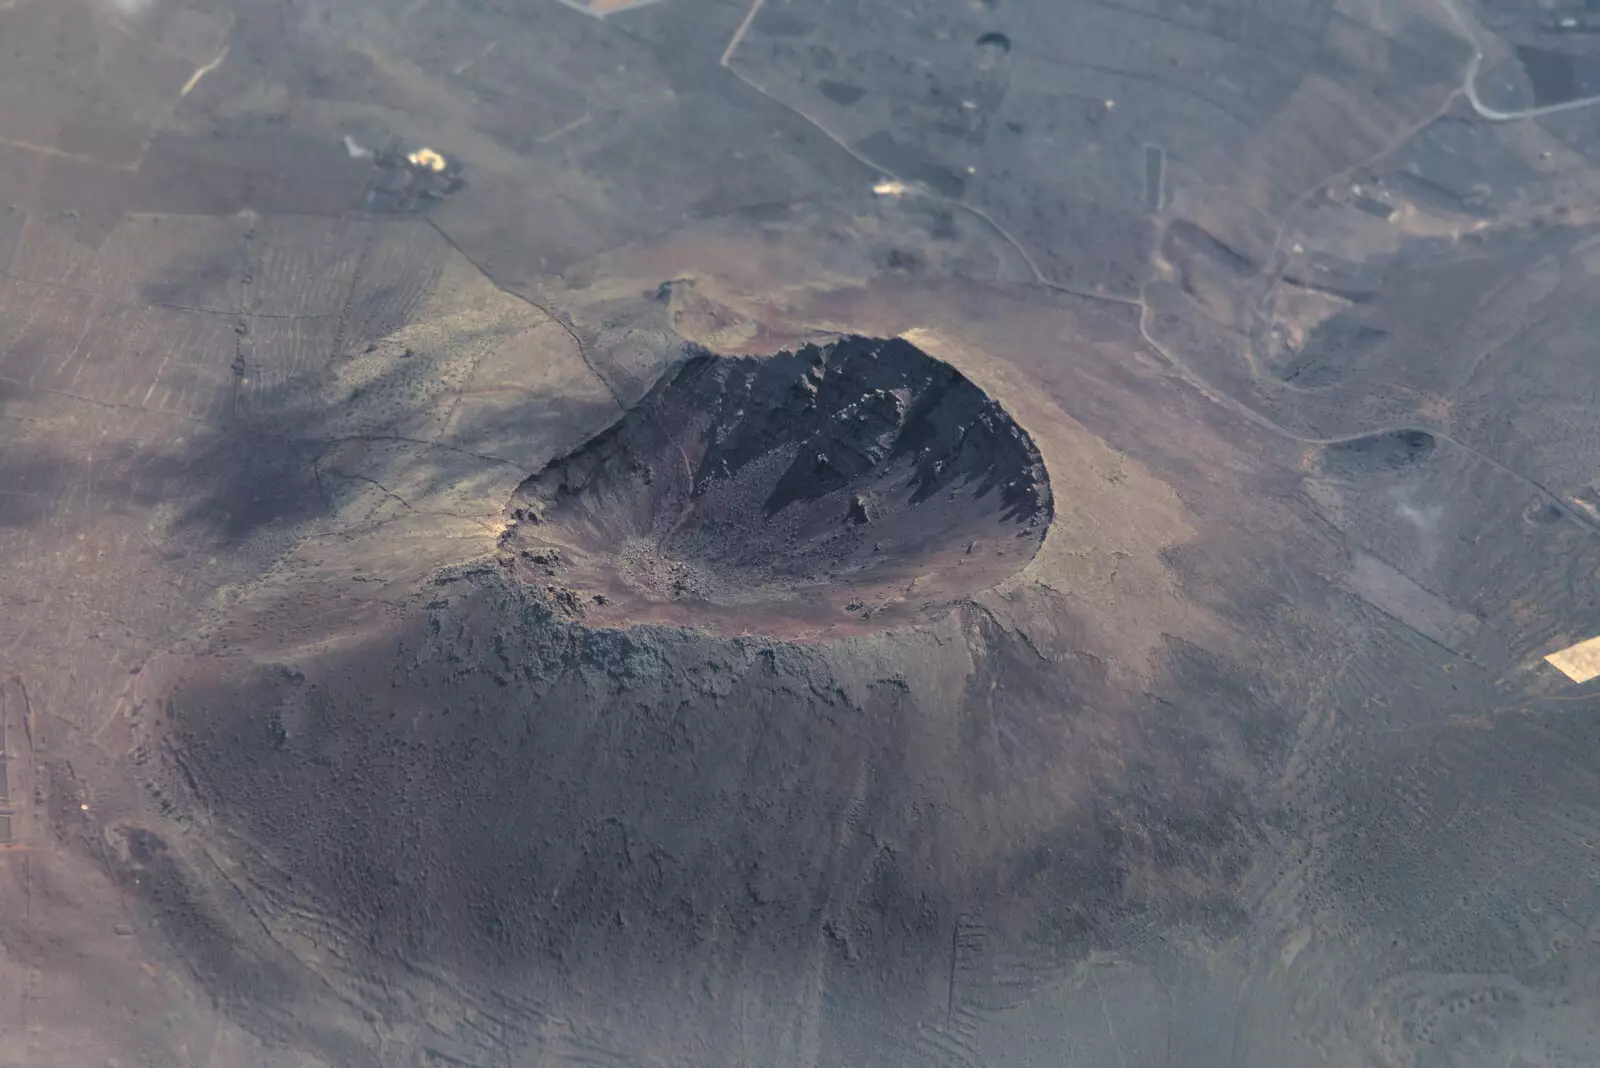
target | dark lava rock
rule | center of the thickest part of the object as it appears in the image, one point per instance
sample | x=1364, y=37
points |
x=737, y=495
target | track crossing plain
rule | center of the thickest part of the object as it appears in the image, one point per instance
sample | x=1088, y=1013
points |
x=799, y=533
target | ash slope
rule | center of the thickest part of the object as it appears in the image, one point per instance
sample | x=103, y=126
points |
x=716, y=845
x=805, y=493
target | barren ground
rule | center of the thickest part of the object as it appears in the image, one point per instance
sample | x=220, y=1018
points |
x=800, y=533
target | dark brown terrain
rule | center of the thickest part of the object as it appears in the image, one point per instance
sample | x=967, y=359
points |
x=836, y=489
x=695, y=533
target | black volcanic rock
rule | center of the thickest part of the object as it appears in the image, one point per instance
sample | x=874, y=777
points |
x=771, y=495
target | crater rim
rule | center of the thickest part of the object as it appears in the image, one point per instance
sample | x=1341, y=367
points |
x=828, y=490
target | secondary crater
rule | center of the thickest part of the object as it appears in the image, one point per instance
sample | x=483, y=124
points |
x=833, y=490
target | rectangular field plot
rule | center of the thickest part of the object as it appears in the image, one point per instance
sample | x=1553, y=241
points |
x=1580, y=662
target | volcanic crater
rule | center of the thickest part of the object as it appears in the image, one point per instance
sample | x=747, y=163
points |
x=836, y=489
